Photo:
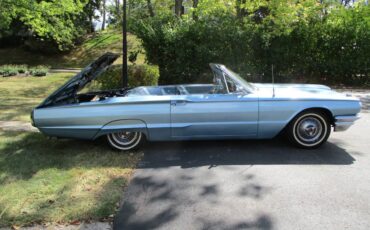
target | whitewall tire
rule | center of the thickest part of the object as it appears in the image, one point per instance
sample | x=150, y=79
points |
x=125, y=141
x=309, y=129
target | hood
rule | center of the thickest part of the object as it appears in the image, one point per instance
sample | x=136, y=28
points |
x=69, y=90
x=300, y=91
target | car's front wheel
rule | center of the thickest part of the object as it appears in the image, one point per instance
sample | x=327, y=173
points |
x=125, y=140
x=309, y=129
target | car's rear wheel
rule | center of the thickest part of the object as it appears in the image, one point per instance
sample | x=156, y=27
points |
x=309, y=129
x=125, y=140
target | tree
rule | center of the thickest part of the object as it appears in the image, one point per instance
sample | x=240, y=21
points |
x=179, y=8
x=195, y=5
x=295, y=36
x=104, y=13
x=150, y=8
x=240, y=8
x=56, y=21
x=118, y=10
x=90, y=11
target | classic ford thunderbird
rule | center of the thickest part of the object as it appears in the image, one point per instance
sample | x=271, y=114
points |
x=229, y=108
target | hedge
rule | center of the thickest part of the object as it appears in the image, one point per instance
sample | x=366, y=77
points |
x=331, y=48
x=138, y=75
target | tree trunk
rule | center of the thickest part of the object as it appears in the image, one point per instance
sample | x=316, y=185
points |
x=104, y=14
x=240, y=9
x=195, y=5
x=91, y=22
x=118, y=9
x=150, y=8
x=237, y=6
x=178, y=8
x=91, y=18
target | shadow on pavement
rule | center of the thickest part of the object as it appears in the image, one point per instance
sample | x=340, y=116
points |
x=176, y=179
x=246, y=152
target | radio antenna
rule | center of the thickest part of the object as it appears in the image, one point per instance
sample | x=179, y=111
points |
x=273, y=81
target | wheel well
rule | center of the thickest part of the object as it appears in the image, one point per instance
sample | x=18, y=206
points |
x=324, y=111
x=144, y=134
x=124, y=124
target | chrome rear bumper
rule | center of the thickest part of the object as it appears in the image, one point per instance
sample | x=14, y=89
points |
x=342, y=123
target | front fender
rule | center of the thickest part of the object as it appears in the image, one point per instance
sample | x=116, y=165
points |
x=120, y=125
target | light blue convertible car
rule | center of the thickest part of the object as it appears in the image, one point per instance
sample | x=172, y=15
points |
x=230, y=108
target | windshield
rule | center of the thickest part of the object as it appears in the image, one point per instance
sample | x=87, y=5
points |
x=238, y=79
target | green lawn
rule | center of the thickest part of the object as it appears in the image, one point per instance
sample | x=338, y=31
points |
x=19, y=95
x=60, y=181
x=44, y=180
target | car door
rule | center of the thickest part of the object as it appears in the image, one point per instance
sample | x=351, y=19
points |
x=214, y=115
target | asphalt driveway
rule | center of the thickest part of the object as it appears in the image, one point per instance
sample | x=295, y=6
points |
x=252, y=184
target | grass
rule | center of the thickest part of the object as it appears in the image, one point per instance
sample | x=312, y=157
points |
x=19, y=95
x=94, y=46
x=59, y=181
x=44, y=180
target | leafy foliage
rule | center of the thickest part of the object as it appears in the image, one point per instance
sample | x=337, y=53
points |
x=39, y=71
x=139, y=75
x=22, y=68
x=12, y=70
x=305, y=40
x=309, y=40
x=8, y=70
x=56, y=21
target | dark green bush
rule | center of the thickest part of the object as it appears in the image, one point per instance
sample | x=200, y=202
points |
x=21, y=68
x=139, y=75
x=39, y=71
x=329, y=48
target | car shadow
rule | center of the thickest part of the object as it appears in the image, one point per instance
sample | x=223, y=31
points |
x=241, y=152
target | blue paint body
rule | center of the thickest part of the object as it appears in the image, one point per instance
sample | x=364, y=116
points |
x=189, y=112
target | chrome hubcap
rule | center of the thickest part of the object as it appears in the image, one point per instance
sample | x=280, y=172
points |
x=309, y=129
x=125, y=138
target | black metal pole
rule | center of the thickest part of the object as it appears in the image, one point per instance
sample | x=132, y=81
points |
x=124, y=56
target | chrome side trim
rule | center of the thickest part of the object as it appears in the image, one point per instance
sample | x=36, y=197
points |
x=342, y=123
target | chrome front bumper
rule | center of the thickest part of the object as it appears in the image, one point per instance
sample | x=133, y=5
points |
x=342, y=123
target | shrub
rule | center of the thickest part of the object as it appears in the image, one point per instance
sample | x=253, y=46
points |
x=8, y=70
x=332, y=48
x=39, y=71
x=21, y=68
x=2, y=70
x=138, y=75
x=132, y=57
